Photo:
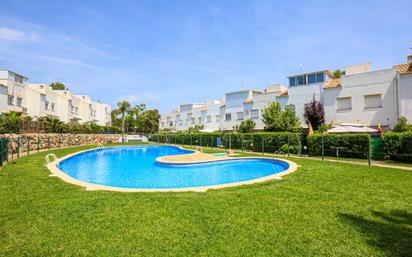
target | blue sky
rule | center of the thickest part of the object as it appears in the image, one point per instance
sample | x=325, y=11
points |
x=164, y=53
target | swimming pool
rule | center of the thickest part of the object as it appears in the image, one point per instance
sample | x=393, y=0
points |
x=135, y=167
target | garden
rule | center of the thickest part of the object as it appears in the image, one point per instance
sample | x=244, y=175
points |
x=323, y=209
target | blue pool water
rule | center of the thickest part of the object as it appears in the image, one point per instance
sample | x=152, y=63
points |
x=136, y=167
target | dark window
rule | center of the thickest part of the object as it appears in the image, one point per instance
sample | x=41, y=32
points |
x=312, y=78
x=320, y=77
x=292, y=82
x=301, y=80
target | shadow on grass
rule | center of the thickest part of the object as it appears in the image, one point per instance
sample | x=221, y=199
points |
x=390, y=232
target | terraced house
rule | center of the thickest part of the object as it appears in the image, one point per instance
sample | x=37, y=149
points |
x=40, y=100
x=359, y=95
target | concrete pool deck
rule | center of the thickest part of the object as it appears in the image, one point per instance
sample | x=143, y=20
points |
x=191, y=158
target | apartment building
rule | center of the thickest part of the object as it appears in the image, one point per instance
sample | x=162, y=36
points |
x=360, y=95
x=40, y=100
x=12, y=92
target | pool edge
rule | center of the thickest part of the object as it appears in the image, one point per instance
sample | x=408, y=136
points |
x=56, y=172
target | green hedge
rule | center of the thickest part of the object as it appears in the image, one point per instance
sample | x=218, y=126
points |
x=270, y=141
x=398, y=146
x=356, y=145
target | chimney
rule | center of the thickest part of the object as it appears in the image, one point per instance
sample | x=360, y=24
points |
x=410, y=59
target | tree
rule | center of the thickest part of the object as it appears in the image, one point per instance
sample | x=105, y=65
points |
x=315, y=114
x=247, y=126
x=272, y=117
x=196, y=128
x=58, y=86
x=10, y=122
x=134, y=119
x=124, y=106
x=52, y=124
x=150, y=121
x=402, y=125
x=290, y=121
x=337, y=73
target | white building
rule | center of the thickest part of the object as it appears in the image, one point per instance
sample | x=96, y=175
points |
x=404, y=94
x=360, y=95
x=12, y=91
x=40, y=100
x=367, y=98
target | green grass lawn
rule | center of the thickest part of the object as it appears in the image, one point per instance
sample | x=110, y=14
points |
x=323, y=209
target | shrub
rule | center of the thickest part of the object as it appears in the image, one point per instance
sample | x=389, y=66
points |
x=355, y=145
x=398, y=146
x=271, y=141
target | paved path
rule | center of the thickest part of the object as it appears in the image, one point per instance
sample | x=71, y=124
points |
x=191, y=158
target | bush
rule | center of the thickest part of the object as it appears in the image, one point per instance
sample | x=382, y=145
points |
x=292, y=149
x=355, y=145
x=398, y=146
x=271, y=141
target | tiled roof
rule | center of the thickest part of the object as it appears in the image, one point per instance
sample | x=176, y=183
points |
x=284, y=93
x=333, y=83
x=404, y=68
x=247, y=101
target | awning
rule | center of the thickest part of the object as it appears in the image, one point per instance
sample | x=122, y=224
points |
x=352, y=128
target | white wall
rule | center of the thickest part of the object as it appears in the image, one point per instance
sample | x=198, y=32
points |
x=357, y=87
x=301, y=95
x=405, y=95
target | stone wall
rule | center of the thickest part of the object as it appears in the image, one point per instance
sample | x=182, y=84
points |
x=45, y=141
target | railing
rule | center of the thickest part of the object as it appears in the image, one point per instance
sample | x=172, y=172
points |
x=48, y=156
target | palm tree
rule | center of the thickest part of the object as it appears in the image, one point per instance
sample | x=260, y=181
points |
x=124, y=106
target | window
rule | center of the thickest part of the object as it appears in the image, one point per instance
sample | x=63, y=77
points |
x=18, y=78
x=301, y=80
x=217, y=118
x=228, y=116
x=200, y=120
x=77, y=110
x=19, y=101
x=255, y=114
x=10, y=100
x=320, y=77
x=292, y=82
x=163, y=124
x=209, y=119
x=239, y=115
x=311, y=78
x=343, y=103
x=192, y=120
x=373, y=101
x=46, y=105
x=53, y=107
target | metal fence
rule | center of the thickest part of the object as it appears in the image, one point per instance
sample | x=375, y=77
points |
x=4, y=155
x=337, y=147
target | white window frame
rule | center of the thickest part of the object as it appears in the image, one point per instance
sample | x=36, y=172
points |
x=19, y=101
x=10, y=100
x=228, y=116
x=252, y=114
x=342, y=99
x=239, y=116
x=373, y=106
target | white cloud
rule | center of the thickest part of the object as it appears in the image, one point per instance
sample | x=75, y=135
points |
x=129, y=98
x=143, y=97
x=150, y=96
x=10, y=34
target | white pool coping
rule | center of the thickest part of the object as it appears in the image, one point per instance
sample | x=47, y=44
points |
x=56, y=172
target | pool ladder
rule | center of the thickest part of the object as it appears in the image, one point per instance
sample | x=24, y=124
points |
x=48, y=156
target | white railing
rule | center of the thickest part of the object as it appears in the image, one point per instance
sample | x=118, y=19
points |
x=48, y=156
